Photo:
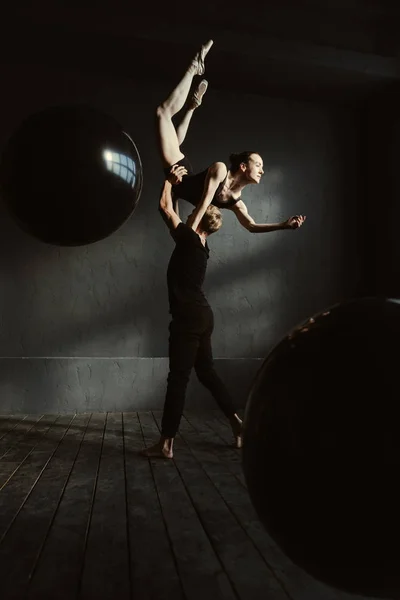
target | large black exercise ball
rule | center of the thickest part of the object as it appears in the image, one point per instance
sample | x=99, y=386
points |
x=70, y=175
x=321, y=446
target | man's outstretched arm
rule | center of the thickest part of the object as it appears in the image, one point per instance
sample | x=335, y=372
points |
x=168, y=207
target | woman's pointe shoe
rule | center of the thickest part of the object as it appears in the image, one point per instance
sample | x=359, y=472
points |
x=198, y=61
x=197, y=96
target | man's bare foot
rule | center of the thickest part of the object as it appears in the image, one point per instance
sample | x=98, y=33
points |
x=237, y=424
x=163, y=449
x=197, y=63
x=198, y=94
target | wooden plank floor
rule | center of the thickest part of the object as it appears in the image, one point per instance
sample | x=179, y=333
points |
x=83, y=515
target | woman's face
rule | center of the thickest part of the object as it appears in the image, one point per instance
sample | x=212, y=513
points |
x=254, y=168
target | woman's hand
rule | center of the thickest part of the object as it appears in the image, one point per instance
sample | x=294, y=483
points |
x=176, y=174
x=295, y=222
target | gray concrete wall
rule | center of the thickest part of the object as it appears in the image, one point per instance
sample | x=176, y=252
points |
x=85, y=328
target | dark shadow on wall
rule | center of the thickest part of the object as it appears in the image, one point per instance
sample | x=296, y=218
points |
x=382, y=154
x=15, y=258
x=120, y=316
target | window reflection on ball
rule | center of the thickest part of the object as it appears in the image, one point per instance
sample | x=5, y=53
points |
x=70, y=175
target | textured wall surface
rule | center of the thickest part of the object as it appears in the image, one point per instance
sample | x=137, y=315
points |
x=86, y=328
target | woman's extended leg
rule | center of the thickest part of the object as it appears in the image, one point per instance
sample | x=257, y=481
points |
x=167, y=135
x=193, y=103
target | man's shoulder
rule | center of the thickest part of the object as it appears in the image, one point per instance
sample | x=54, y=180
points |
x=184, y=232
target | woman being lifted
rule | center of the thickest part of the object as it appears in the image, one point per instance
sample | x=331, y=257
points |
x=218, y=184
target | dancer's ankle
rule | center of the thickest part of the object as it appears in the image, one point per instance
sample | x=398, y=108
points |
x=167, y=444
x=237, y=430
x=162, y=449
x=197, y=66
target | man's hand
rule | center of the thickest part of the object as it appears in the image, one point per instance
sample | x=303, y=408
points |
x=176, y=174
x=295, y=222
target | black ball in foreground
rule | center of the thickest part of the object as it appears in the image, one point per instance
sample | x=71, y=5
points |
x=321, y=447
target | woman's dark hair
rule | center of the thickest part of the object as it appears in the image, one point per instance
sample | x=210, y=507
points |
x=237, y=159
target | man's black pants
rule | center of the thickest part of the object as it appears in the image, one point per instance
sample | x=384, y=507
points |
x=190, y=347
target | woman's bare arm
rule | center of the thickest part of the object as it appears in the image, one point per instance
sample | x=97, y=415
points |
x=215, y=174
x=242, y=214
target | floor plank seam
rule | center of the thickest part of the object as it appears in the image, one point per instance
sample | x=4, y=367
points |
x=215, y=453
x=80, y=578
x=163, y=518
x=128, y=537
x=12, y=428
x=34, y=483
x=271, y=569
x=201, y=520
x=64, y=487
x=22, y=438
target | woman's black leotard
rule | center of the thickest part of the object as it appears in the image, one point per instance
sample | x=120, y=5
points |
x=192, y=186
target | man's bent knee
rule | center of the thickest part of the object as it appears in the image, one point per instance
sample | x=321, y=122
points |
x=206, y=374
